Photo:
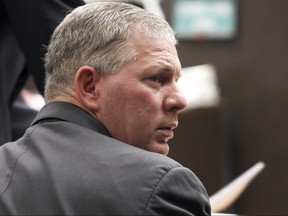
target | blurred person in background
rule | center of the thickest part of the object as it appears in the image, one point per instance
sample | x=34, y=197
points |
x=25, y=27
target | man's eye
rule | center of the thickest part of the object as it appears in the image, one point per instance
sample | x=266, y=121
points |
x=156, y=78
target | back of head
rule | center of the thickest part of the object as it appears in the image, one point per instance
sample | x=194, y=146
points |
x=97, y=35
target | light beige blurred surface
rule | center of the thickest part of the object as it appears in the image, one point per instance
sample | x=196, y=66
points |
x=222, y=214
x=226, y=196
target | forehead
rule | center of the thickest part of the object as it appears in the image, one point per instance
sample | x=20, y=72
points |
x=157, y=52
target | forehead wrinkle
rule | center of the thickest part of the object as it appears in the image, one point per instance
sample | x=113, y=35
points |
x=163, y=56
x=167, y=62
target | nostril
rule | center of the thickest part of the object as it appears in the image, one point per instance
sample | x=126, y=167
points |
x=181, y=101
x=175, y=102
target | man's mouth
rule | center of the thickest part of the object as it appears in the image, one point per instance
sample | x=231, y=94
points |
x=166, y=133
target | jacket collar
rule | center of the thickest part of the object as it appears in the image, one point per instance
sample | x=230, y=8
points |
x=64, y=111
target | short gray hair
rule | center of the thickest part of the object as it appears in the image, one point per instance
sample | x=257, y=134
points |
x=97, y=35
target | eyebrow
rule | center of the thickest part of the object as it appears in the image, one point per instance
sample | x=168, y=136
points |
x=167, y=71
x=171, y=70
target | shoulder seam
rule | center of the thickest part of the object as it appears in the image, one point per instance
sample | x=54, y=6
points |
x=15, y=163
x=157, y=184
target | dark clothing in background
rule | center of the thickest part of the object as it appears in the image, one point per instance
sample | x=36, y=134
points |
x=25, y=26
x=67, y=164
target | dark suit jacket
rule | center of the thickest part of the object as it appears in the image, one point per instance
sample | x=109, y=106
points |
x=67, y=163
x=25, y=27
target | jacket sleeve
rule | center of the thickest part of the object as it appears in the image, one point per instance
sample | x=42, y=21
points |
x=179, y=192
x=33, y=22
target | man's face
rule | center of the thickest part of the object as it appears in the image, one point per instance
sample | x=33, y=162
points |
x=139, y=104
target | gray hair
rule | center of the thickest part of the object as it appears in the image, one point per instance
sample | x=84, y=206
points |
x=97, y=35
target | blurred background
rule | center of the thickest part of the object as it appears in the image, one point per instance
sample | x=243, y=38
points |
x=250, y=121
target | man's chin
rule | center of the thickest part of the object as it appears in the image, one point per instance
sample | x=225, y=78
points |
x=161, y=148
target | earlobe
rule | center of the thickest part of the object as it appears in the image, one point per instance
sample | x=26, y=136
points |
x=85, y=82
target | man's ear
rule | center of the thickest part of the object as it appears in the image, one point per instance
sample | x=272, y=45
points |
x=85, y=83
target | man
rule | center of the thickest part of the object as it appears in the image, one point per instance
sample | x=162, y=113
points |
x=99, y=145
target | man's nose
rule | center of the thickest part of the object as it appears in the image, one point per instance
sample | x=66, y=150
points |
x=175, y=101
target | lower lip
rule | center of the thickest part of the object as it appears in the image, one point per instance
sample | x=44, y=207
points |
x=165, y=134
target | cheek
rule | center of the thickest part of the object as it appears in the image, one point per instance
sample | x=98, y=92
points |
x=143, y=114
x=144, y=103
x=134, y=106
x=111, y=105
